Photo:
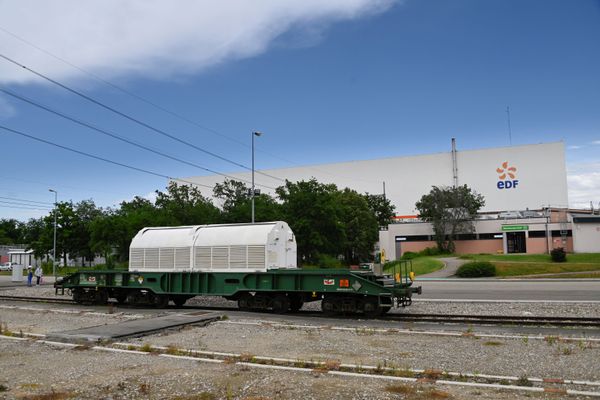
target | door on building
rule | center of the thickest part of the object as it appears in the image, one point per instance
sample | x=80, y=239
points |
x=516, y=242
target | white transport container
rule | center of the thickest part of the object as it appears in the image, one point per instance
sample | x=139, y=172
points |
x=216, y=248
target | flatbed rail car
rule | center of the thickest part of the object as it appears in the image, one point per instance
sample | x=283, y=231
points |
x=342, y=291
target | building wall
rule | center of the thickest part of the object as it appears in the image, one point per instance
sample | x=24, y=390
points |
x=416, y=236
x=488, y=246
x=540, y=183
x=587, y=237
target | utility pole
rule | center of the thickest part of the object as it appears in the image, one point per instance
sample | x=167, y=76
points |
x=255, y=133
x=54, y=249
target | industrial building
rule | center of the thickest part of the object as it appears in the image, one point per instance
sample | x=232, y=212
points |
x=525, y=190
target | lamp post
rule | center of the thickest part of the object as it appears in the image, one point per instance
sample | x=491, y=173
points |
x=255, y=133
x=54, y=249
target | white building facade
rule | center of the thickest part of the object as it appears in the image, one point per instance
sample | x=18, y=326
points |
x=510, y=178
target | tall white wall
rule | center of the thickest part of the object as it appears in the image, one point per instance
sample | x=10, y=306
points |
x=540, y=172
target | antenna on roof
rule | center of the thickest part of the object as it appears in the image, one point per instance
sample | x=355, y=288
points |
x=509, y=128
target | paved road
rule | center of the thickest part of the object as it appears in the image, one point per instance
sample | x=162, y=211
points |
x=536, y=290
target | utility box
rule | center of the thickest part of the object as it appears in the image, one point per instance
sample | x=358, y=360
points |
x=17, y=273
x=217, y=248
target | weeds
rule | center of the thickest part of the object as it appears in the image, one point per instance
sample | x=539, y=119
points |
x=247, y=357
x=401, y=389
x=3, y=388
x=147, y=348
x=523, y=381
x=551, y=340
x=492, y=343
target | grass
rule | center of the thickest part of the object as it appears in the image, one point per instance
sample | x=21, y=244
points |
x=586, y=258
x=425, y=265
x=421, y=265
x=516, y=269
x=535, y=264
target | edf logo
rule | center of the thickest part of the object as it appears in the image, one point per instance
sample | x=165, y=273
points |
x=505, y=171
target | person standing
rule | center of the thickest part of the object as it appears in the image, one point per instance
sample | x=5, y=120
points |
x=29, y=276
x=38, y=275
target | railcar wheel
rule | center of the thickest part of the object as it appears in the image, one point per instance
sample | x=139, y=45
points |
x=280, y=304
x=121, y=298
x=328, y=306
x=245, y=301
x=179, y=300
x=296, y=303
x=370, y=308
x=101, y=297
x=161, y=301
x=385, y=309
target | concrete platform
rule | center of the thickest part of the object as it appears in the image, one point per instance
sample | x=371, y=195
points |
x=134, y=328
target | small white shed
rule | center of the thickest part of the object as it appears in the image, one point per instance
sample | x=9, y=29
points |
x=223, y=248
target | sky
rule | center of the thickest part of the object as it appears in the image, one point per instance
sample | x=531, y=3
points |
x=324, y=81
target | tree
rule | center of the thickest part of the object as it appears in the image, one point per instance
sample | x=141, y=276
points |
x=237, y=203
x=361, y=229
x=381, y=207
x=313, y=211
x=185, y=205
x=450, y=211
x=11, y=231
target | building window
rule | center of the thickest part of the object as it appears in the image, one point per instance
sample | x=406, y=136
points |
x=488, y=236
x=466, y=236
x=537, y=234
x=414, y=238
x=558, y=234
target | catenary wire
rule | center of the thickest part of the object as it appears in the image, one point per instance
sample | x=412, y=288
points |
x=118, y=137
x=100, y=158
x=136, y=96
x=130, y=118
x=29, y=201
x=26, y=208
x=166, y=110
x=19, y=203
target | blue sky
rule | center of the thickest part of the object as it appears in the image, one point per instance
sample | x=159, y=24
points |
x=344, y=81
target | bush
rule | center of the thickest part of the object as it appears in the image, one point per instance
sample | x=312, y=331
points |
x=409, y=255
x=558, y=255
x=476, y=269
x=430, y=251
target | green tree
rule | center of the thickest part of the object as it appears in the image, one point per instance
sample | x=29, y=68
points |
x=236, y=203
x=11, y=231
x=361, y=229
x=37, y=237
x=450, y=211
x=185, y=205
x=314, y=213
x=80, y=242
x=381, y=207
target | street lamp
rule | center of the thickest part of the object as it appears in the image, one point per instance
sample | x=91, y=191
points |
x=54, y=250
x=255, y=133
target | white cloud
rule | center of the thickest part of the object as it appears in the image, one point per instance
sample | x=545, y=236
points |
x=574, y=147
x=157, y=38
x=584, y=184
x=596, y=142
x=6, y=109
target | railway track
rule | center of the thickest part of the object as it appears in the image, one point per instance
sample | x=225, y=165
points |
x=397, y=317
x=496, y=319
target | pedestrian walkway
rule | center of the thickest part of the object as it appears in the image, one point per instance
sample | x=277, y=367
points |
x=451, y=264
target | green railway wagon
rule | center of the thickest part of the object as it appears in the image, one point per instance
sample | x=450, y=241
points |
x=283, y=290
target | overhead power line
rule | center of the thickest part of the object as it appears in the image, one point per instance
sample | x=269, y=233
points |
x=100, y=158
x=19, y=203
x=129, y=117
x=115, y=136
x=26, y=208
x=28, y=201
x=123, y=90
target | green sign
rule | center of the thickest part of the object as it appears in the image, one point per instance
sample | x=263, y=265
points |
x=515, y=227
